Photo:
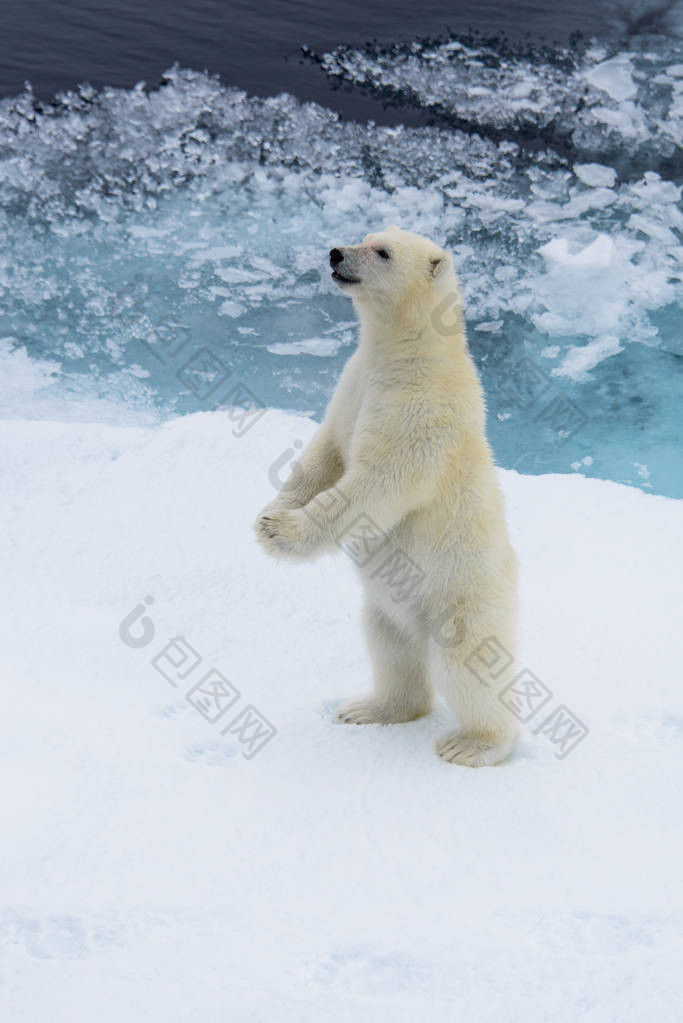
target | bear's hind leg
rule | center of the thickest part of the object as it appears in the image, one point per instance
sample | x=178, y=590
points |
x=402, y=689
x=488, y=731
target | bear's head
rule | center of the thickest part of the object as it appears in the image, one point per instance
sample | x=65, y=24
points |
x=393, y=270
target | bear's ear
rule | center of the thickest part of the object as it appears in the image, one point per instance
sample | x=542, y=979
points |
x=437, y=264
x=392, y=227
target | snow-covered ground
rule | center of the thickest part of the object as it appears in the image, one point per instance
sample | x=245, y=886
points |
x=151, y=871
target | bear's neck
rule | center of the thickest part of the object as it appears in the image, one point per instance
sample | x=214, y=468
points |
x=394, y=336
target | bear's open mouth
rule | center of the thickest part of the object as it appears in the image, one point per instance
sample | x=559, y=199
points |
x=347, y=280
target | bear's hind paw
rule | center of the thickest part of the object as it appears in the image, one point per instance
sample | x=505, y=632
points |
x=471, y=751
x=372, y=711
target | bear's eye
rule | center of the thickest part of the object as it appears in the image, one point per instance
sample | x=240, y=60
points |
x=383, y=254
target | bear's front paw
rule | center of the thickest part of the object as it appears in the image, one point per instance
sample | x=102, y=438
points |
x=280, y=533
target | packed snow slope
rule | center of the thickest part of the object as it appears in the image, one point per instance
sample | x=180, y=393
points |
x=155, y=870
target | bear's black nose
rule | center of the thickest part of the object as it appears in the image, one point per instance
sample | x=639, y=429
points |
x=335, y=257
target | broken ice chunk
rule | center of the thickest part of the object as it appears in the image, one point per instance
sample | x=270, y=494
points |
x=614, y=77
x=595, y=175
x=595, y=256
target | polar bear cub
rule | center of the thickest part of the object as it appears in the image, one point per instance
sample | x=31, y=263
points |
x=401, y=477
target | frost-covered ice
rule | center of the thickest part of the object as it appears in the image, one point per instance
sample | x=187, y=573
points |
x=583, y=99
x=343, y=873
x=137, y=220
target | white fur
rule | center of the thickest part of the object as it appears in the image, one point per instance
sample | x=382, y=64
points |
x=404, y=441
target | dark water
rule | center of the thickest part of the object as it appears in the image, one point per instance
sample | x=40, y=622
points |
x=257, y=46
